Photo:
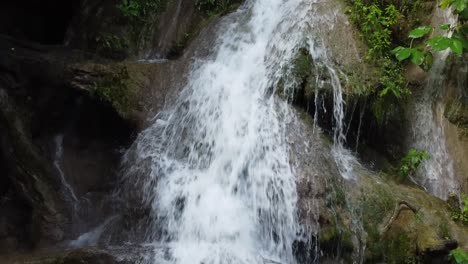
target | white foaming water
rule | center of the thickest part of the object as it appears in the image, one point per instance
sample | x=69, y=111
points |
x=344, y=159
x=58, y=140
x=437, y=174
x=90, y=238
x=215, y=167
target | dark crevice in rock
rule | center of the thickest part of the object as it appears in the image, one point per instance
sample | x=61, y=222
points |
x=42, y=21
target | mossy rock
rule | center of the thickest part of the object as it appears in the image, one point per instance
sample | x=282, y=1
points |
x=409, y=236
x=121, y=85
x=333, y=239
x=456, y=111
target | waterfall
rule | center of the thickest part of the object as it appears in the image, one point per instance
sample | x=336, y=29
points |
x=437, y=174
x=214, y=167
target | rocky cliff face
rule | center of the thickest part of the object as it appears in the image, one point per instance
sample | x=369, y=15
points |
x=66, y=114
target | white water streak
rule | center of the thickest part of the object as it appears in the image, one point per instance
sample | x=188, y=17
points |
x=58, y=159
x=437, y=174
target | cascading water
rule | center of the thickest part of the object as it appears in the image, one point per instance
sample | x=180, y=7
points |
x=214, y=168
x=343, y=157
x=437, y=174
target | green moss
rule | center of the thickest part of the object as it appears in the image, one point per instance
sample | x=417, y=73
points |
x=114, y=88
x=456, y=111
x=112, y=46
x=398, y=249
x=376, y=206
x=336, y=241
x=444, y=231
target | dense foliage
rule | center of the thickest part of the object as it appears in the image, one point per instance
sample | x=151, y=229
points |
x=456, y=38
x=410, y=163
x=459, y=256
x=375, y=20
x=139, y=10
x=462, y=214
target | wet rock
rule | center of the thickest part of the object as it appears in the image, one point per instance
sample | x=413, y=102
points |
x=36, y=106
x=81, y=256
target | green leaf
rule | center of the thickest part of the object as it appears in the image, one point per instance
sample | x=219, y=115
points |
x=459, y=255
x=384, y=92
x=439, y=43
x=456, y=46
x=463, y=40
x=397, y=49
x=429, y=60
x=445, y=26
x=420, y=32
x=460, y=5
x=402, y=53
x=417, y=57
x=445, y=3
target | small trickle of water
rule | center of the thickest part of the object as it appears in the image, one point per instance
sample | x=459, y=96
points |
x=437, y=174
x=344, y=159
x=58, y=159
x=90, y=238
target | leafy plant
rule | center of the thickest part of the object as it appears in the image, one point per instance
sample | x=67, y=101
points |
x=112, y=46
x=416, y=55
x=457, y=41
x=392, y=79
x=375, y=23
x=213, y=7
x=462, y=214
x=459, y=256
x=139, y=10
x=410, y=163
x=375, y=20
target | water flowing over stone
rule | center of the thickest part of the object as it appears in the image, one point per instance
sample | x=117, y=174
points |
x=437, y=174
x=58, y=140
x=214, y=168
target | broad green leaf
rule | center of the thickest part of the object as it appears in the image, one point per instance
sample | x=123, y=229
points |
x=417, y=57
x=403, y=54
x=420, y=32
x=456, y=46
x=445, y=26
x=439, y=43
x=463, y=40
x=445, y=3
x=460, y=5
x=397, y=49
x=429, y=60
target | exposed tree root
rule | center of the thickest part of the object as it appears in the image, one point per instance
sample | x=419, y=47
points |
x=401, y=205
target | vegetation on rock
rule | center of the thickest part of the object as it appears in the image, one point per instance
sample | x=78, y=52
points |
x=456, y=38
x=461, y=214
x=459, y=256
x=410, y=163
